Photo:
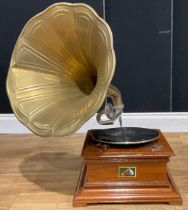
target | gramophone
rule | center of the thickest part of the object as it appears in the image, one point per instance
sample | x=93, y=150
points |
x=59, y=76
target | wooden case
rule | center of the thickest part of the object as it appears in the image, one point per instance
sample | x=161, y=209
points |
x=125, y=174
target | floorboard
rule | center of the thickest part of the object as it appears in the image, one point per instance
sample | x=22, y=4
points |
x=41, y=173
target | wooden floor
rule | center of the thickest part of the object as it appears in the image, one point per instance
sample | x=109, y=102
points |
x=41, y=173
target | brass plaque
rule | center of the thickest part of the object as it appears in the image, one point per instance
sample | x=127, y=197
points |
x=127, y=171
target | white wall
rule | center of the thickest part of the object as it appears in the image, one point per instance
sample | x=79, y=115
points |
x=168, y=122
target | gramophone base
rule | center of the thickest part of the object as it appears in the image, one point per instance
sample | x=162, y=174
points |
x=121, y=174
x=130, y=194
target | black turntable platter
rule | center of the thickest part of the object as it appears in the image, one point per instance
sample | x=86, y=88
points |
x=125, y=135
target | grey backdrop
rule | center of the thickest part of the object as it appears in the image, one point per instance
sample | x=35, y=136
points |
x=151, y=45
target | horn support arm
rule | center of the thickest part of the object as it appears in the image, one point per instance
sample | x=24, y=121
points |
x=112, y=111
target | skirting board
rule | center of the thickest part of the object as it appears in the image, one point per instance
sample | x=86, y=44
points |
x=166, y=122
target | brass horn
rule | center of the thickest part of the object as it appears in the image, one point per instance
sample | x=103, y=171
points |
x=61, y=69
